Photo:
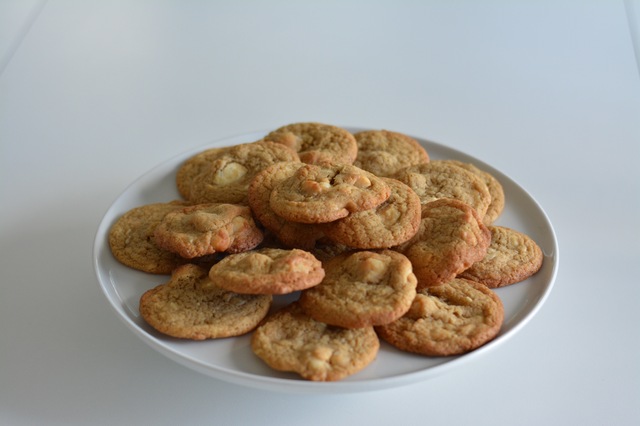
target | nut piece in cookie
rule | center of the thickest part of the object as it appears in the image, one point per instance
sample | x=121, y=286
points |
x=362, y=289
x=208, y=228
x=317, y=142
x=391, y=223
x=291, y=234
x=385, y=153
x=327, y=192
x=222, y=175
x=267, y=271
x=449, y=319
x=450, y=239
x=290, y=340
x=132, y=243
x=512, y=257
x=188, y=307
x=440, y=179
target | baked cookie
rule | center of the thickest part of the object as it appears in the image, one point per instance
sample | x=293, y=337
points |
x=440, y=179
x=361, y=289
x=496, y=191
x=188, y=307
x=317, y=142
x=290, y=340
x=267, y=271
x=132, y=242
x=194, y=166
x=449, y=319
x=390, y=224
x=203, y=229
x=327, y=192
x=223, y=175
x=512, y=257
x=450, y=239
x=291, y=234
x=385, y=153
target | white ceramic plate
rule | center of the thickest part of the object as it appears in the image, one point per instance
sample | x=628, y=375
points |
x=232, y=359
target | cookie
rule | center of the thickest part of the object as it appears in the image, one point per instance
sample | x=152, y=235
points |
x=317, y=142
x=496, y=191
x=223, y=175
x=203, y=229
x=440, y=179
x=449, y=319
x=131, y=239
x=391, y=223
x=327, y=192
x=292, y=234
x=512, y=257
x=188, y=307
x=362, y=289
x=450, y=239
x=385, y=153
x=267, y=271
x=289, y=340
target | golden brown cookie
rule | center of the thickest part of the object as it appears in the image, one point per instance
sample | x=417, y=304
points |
x=188, y=307
x=223, y=175
x=385, y=153
x=450, y=239
x=512, y=257
x=132, y=242
x=361, y=289
x=203, y=229
x=440, y=179
x=496, y=191
x=317, y=142
x=389, y=224
x=449, y=319
x=267, y=271
x=290, y=340
x=327, y=192
x=291, y=234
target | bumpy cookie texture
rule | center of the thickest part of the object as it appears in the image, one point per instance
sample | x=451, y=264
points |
x=188, y=307
x=223, y=175
x=391, y=223
x=362, y=289
x=317, y=142
x=450, y=319
x=291, y=234
x=496, y=191
x=327, y=192
x=208, y=228
x=385, y=153
x=131, y=239
x=451, y=238
x=440, y=179
x=512, y=257
x=267, y=271
x=290, y=340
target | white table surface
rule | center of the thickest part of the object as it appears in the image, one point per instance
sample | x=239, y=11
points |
x=93, y=94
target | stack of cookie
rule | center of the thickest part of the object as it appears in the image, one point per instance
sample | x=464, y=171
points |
x=372, y=238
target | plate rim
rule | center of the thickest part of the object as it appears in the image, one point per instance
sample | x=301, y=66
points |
x=304, y=386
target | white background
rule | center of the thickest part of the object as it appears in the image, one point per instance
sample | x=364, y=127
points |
x=93, y=94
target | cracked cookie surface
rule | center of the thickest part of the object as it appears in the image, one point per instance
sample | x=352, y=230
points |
x=327, y=192
x=317, y=142
x=512, y=257
x=290, y=340
x=450, y=319
x=362, y=289
x=188, y=307
x=267, y=271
